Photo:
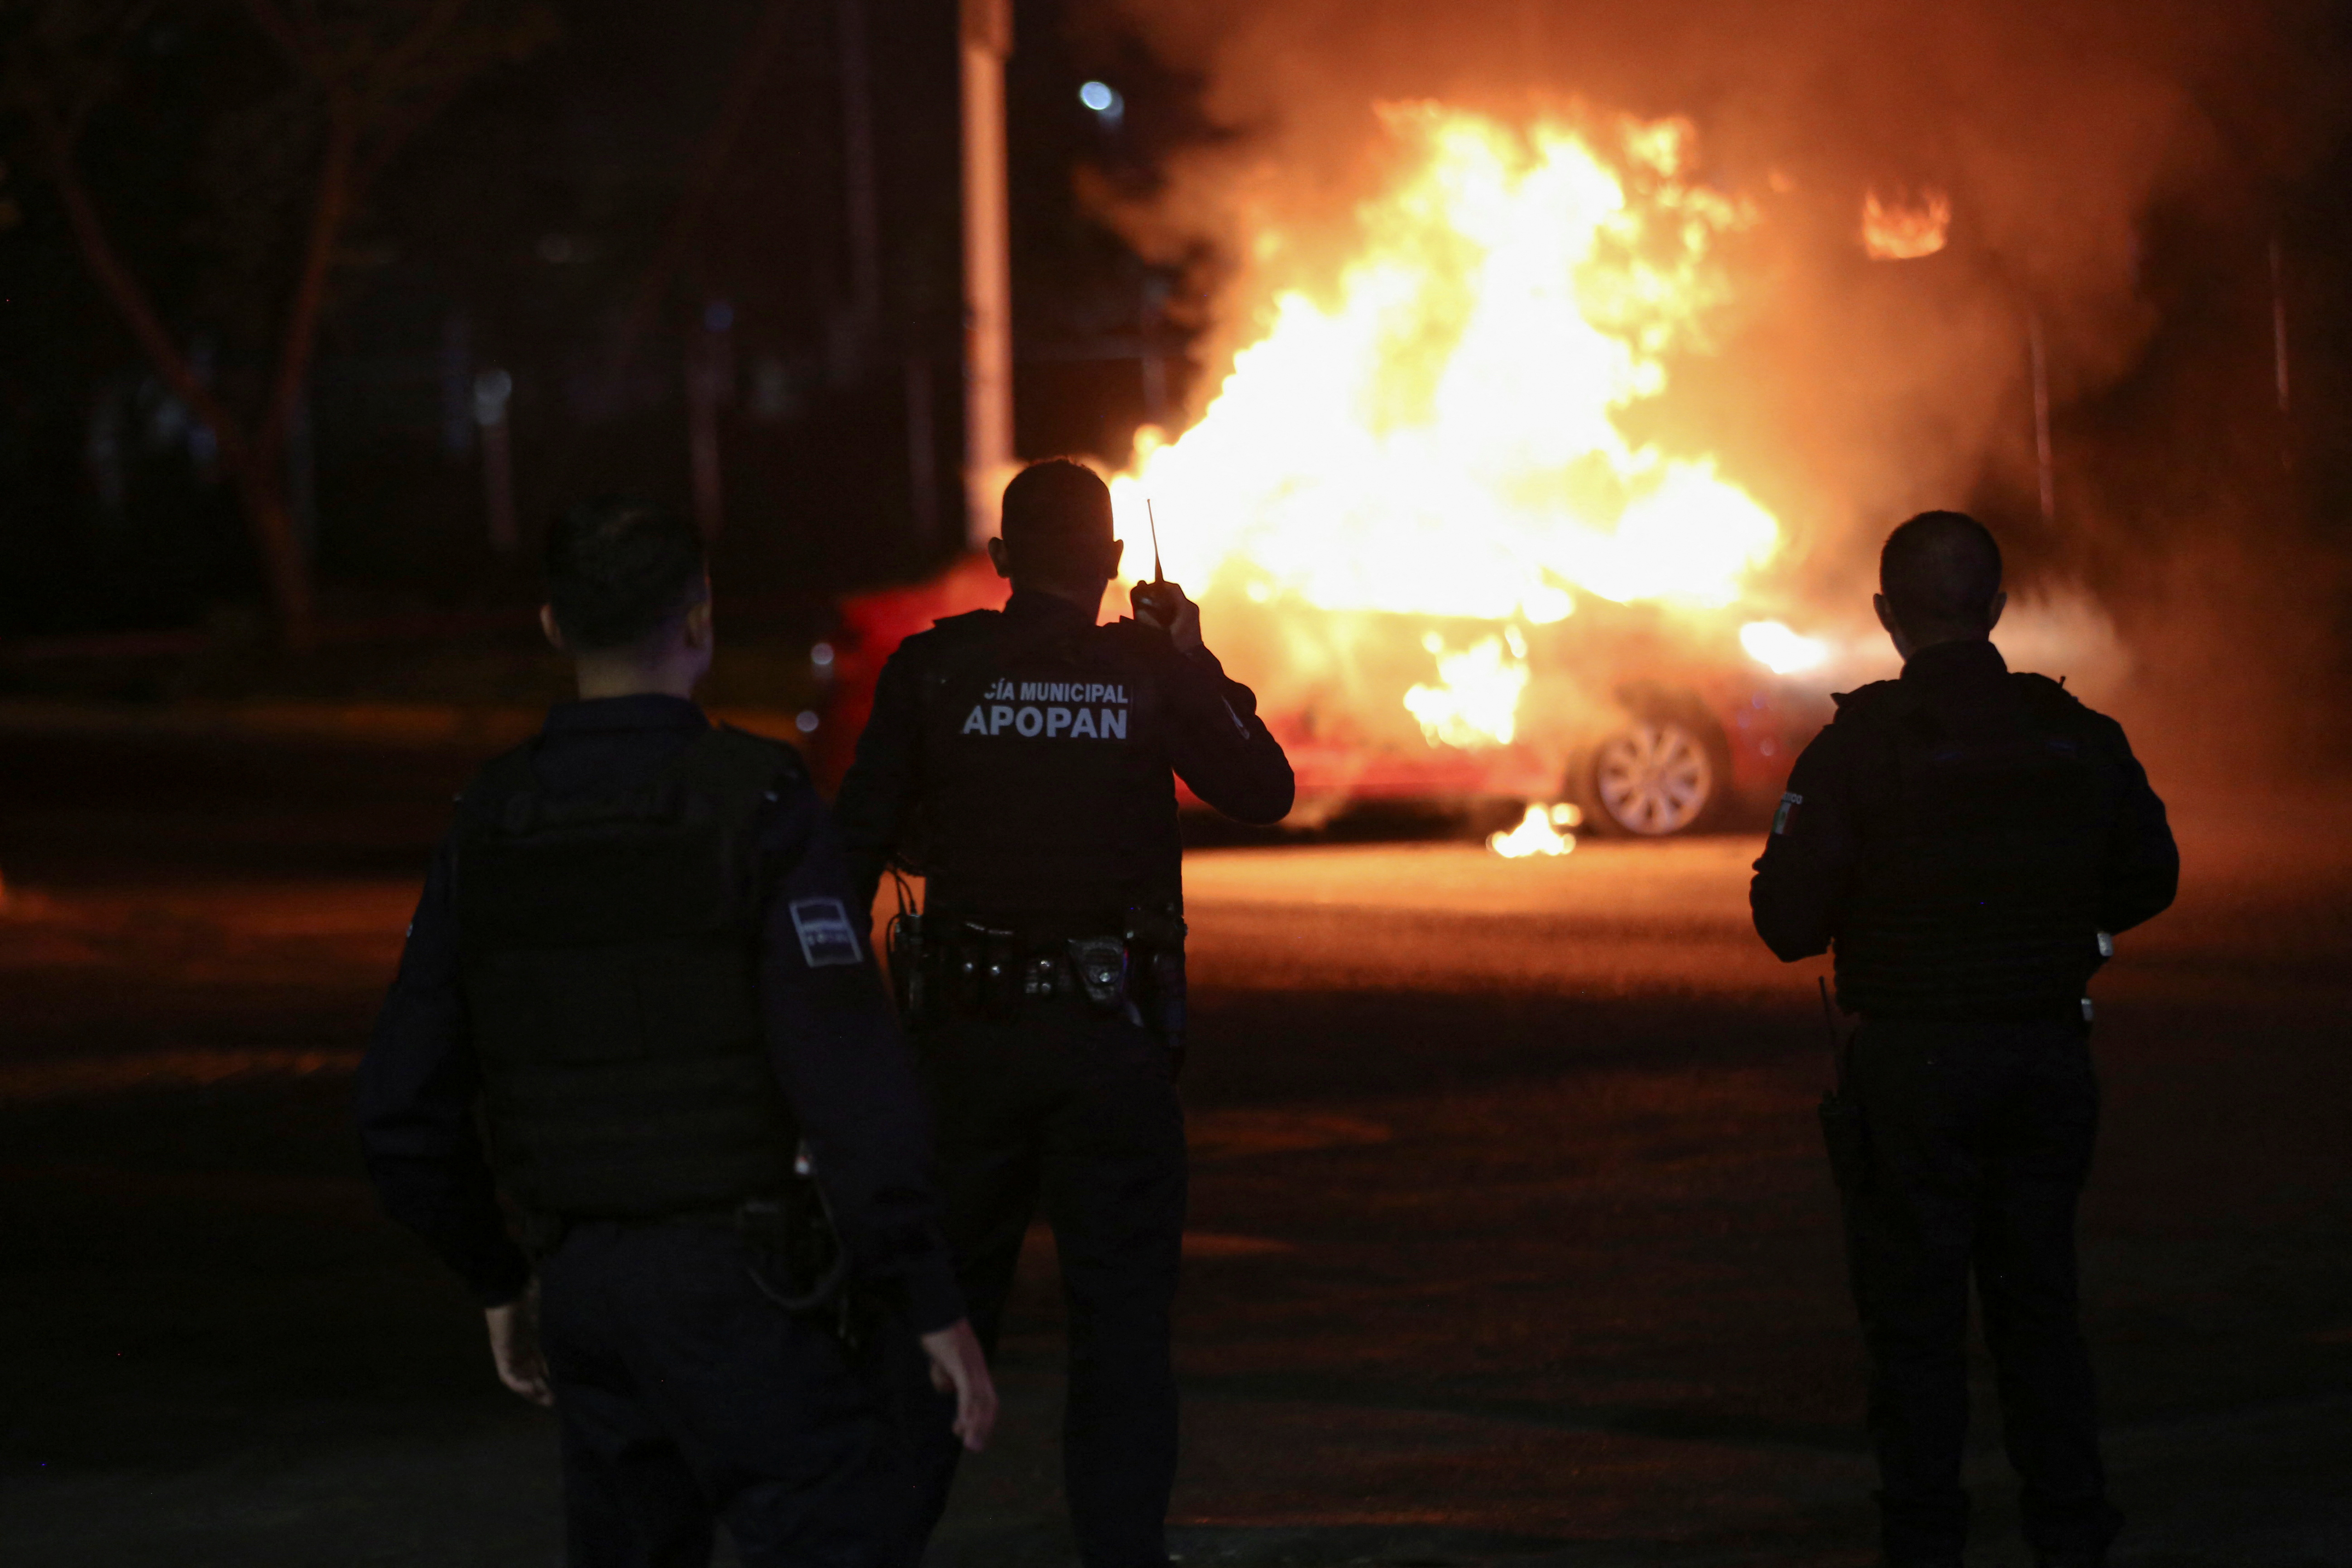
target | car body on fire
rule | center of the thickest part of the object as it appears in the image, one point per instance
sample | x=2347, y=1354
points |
x=1650, y=721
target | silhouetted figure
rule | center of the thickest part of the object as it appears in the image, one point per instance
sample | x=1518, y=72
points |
x=1968, y=841
x=635, y=961
x=1024, y=761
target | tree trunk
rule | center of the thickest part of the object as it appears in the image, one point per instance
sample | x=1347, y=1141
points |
x=262, y=491
x=250, y=460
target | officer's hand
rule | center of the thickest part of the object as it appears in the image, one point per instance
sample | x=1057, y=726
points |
x=514, y=1345
x=957, y=1364
x=1165, y=607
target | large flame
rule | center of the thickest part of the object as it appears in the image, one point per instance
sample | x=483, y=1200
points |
x=1441, y=431
x=1442, y=434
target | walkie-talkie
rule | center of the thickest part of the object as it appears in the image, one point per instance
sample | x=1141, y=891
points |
x=1159, y=598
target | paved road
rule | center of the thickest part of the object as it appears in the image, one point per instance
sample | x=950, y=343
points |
x=1510, y=1240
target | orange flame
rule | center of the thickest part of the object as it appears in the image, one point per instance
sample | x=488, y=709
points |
x=1538, y=833
x=1477, y=700
x=1900, y=230
x=1781, y=650
x=1441, y=436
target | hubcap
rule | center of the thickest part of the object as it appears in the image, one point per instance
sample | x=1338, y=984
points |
x=1654, y=778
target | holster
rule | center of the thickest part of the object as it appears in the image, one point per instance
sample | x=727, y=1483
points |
x=1844, y=1132
x=909, y=955
x=986, y=974
x=966, y=970
x=913, y=946
x=1155, y=944
x=798, y=1261
x=1848, y=1141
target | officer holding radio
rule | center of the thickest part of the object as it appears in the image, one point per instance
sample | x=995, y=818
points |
x=1024, y=762
x=1968, y=840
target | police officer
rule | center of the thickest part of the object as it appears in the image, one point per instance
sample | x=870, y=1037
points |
x=634, y=960
x=1968, y=840
x=1026, y=760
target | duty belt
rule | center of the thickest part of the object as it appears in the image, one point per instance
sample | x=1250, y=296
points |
x=973, y=968
x=988, y=971
x=2076, y=1016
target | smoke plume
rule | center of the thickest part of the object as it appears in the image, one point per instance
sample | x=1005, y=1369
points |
x=1844, y=392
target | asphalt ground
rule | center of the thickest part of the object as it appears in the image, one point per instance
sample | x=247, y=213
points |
x=1511, y=1238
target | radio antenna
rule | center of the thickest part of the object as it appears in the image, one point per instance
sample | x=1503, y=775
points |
x=1151, y=518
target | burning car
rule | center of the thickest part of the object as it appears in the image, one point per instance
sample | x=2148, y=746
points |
x=1630, y=719
x=1417, y=523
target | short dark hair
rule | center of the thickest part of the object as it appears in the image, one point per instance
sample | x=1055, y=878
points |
x=1056, y=520
x=1939, y=571
x=618, y=567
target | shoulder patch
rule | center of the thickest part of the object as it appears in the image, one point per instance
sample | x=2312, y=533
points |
x=826, y=936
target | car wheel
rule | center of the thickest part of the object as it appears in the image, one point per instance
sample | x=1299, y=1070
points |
x=1655, y=777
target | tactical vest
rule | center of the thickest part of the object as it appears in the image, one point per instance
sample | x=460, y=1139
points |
x=1977, y=893
x=1048, y=800
x=611, y=961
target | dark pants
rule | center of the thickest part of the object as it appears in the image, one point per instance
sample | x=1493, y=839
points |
x=1078, y=1110
x=1980, y=1139
x=686, y=1397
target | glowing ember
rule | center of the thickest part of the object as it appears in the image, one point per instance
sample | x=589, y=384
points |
x=1441, y=434
x=1477, y=700
x=1781, y=650
x=1536, y=833
x=1900, y=230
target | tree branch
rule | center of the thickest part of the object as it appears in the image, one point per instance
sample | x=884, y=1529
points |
x=750, y=73
x=250, y=467
x=94, y=88
x=289, y=39
x=328, y=208
x=129, y=299
x=430, y=27
x=387, y=142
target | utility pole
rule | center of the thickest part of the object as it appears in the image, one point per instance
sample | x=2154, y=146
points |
x=859, y=201
x=987, y=29
x=2278, y=329
x=2279, y=363
x=2045, y=464
x=709, y=381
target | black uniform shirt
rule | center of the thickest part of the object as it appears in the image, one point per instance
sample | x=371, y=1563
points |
x=831, y=1037
x=1807, y=874
x=1204, y=727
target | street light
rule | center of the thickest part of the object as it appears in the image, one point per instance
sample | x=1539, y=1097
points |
x=1106, y=102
